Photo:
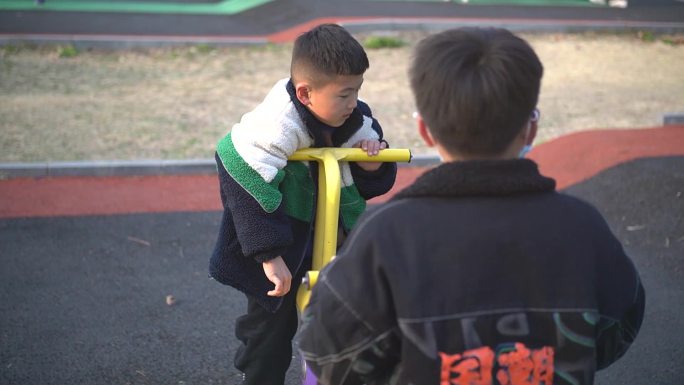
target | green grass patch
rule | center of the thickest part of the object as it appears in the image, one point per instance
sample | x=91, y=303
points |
x=646, y=36
x=672, y=41
x=204, y=48
x=651, y=37
x=67, y=51
x=10, y=49
x=376, y=42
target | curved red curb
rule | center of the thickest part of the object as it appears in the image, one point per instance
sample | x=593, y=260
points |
x=73, y=196
x=578, y=156
x=569, y=159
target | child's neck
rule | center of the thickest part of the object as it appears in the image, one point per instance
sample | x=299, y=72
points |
x=510, y=154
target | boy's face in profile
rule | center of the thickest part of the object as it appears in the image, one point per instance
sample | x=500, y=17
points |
x=333, y=101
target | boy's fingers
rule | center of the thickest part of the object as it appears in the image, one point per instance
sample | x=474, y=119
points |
x=278, y=273
x=287, y=281
x=373, y=148
x=278, y=291
x=282, y=286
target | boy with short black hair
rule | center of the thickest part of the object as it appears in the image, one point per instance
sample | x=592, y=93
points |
x=264, y=242
x=479, y=272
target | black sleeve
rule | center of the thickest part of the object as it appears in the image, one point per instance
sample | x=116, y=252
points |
x=373, y=183
x=262, y=235
x=615, y=337
x=622, y=301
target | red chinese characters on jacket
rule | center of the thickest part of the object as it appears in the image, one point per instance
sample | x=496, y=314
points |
x=516, y=365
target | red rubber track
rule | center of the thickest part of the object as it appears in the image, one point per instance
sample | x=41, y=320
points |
x=569, y=159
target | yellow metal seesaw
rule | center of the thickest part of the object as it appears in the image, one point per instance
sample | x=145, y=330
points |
x=328, y=207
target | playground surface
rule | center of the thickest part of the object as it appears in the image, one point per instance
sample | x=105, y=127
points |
x=88, y=262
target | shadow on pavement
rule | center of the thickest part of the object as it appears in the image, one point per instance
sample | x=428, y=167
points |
x=83, y=299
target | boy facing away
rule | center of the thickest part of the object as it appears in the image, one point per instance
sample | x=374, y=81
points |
x=479, y=272
x=264, y=242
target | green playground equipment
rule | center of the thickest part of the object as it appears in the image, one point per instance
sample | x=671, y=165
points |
x=222, y=7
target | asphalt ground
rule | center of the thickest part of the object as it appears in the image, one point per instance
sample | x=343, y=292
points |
x=88, y=262
x=83, y=293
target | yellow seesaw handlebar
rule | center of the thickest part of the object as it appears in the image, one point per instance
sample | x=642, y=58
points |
x=327, y=209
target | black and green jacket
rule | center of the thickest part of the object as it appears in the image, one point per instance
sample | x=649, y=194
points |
x=269, y=201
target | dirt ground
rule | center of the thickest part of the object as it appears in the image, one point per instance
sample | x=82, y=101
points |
x=175, y=103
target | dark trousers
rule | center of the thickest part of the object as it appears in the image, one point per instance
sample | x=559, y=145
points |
x=266, y=351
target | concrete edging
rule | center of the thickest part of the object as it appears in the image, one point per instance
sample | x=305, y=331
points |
x=673, y=119
x=107, y=168
x=136, y=168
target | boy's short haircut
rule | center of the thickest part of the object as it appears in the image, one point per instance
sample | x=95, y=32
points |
x=475, y=88
x=325, y=51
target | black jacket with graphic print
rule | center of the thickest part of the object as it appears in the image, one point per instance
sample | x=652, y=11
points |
x=478, y=273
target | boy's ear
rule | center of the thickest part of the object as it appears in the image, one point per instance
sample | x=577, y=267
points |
x=303, y=91
x=424, y=132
